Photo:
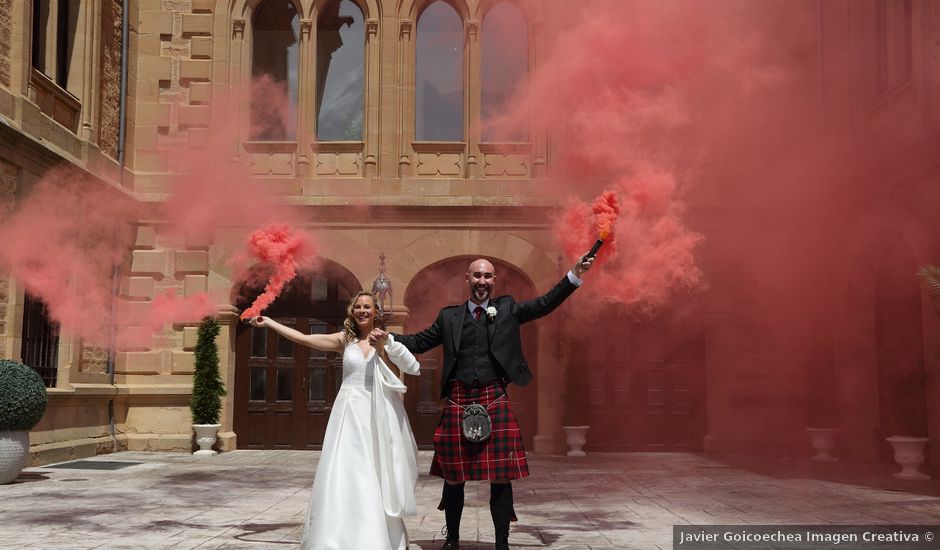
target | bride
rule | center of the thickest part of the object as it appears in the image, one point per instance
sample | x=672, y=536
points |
x=366, y=477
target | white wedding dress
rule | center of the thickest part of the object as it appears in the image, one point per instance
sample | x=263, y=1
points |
x=366, y=477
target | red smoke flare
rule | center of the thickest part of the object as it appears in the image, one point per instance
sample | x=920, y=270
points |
x=606, y=209
x=285, y=249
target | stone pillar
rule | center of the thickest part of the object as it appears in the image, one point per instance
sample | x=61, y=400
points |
x=547, y=438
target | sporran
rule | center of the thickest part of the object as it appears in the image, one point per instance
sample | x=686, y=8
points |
x=476, y=425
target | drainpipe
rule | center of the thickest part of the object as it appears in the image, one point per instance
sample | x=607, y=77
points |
x=122, y=114
x=122, y=139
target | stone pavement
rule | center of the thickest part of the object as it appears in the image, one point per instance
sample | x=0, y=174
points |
x=257, y=500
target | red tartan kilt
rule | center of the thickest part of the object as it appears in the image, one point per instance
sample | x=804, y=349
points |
x=502, y=456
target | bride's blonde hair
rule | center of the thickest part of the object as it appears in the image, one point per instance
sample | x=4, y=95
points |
x=350, y=329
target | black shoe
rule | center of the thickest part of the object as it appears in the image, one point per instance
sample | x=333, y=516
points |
x=451, y=545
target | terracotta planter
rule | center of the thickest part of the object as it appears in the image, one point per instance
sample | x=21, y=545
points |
x=205, y=438
x=823, y=442
x=576, y=437
x=14, y=450
x=909, y=454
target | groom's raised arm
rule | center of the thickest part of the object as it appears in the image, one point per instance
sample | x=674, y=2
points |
x=546, y=303
x=421, y=342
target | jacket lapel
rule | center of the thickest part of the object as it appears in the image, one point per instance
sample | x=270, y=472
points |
x=457, y=327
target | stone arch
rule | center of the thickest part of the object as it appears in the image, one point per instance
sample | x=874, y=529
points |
x=537, y=263
x=533, y=11
x=411, y=9
x=283, y=391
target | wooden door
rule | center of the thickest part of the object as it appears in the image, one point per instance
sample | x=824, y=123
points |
x=647, y=386
x=284, y=392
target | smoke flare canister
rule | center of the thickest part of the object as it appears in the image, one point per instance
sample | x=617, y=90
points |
x=594, y=249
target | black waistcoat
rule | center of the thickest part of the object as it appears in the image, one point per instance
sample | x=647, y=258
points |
x=474, y=363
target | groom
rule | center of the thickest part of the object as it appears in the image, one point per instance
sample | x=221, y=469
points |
x=482, y=354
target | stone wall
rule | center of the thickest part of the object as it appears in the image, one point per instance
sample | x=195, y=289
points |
x=110, y=85
x=6, y=40
x=8, y=177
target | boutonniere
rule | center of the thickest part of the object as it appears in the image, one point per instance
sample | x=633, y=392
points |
x=491, y=313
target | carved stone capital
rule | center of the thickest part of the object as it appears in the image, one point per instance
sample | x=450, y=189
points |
x=405, y=30
x=305, y=26
x=238, y=28
x=372, y=27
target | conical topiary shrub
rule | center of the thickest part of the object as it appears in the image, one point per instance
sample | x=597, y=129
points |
x=208, y=388
x=23, y=397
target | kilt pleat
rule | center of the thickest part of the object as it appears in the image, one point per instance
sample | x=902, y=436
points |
x=501, y=457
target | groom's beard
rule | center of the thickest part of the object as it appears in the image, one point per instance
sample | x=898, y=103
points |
x=479, y=295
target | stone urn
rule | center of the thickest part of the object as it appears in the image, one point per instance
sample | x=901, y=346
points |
x=909, y=454
x=14, y=450
x=576, y=437
x=824, y=441
x=205, y=438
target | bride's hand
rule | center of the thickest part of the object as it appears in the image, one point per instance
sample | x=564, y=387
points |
x=378, y=337
x=259, y=321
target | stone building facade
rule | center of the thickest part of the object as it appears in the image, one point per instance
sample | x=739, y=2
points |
x=389, y=188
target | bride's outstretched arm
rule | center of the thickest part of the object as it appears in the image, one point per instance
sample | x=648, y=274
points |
x=322, y=342
x=394, y=353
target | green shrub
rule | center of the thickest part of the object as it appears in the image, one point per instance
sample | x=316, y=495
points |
x=23, y=397
x=208, y=388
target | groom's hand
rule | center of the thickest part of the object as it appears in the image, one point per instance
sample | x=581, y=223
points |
x=582, y=266
x=378, y=337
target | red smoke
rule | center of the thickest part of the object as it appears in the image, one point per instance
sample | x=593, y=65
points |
x=62, y=245
x=606, y=209
x=280, y=246
x=70, y=240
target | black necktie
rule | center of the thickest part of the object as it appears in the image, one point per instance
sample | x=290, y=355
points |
x=477, y=312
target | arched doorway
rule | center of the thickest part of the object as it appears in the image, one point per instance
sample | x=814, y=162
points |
x=443, y=284
x=899, y=348
x=284, y=392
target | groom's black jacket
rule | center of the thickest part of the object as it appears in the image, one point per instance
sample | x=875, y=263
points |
x=503, y=337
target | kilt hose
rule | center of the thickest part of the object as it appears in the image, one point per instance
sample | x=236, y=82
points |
x=501, y=457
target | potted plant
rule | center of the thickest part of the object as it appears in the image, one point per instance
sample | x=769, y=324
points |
x=909, y=447
x=23, y=401
x=575, y=414
x=208, y=388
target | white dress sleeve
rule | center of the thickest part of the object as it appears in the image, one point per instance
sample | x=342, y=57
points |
x=394, y=442
x=402, y=358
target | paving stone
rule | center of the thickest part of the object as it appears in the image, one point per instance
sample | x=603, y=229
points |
x=258, y=500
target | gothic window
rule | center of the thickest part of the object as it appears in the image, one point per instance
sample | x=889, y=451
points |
x=504, y=68
x=340, y=72
x=274, y=65
x=439, y=78
x=53, y=38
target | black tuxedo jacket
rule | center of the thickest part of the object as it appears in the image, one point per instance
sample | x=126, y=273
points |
x=502, y=332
